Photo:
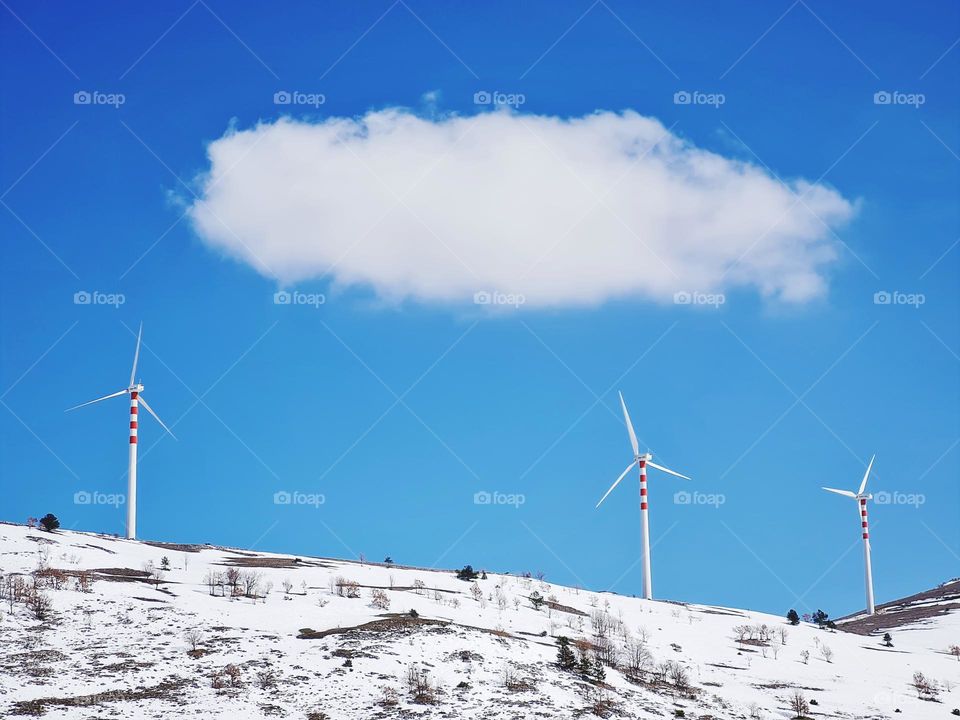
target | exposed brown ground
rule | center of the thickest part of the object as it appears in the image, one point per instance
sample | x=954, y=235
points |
x=904, y=611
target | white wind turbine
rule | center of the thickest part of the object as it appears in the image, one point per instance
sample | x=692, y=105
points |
x=642, y=461
x=861, y=497
x=136, y=398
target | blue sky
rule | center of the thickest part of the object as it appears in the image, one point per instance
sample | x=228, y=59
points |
x=399, y=411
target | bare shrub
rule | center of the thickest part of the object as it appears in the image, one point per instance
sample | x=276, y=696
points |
x=955, y=651
x=513, y=682
x=287, y=586
x=379, y=599
x=233, y=674
x=347, y=588
x=805, y=656
x=390, y=697
x=826, y=653
x=421, y=690
x=926, y=687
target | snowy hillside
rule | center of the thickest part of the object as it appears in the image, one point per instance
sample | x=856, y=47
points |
x=292, y=643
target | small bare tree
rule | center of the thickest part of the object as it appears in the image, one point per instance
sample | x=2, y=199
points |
x=799, y=704
x=379, y=599
x=233, y=580
x=826, y=652
x=805, y=656
x=955, y=651
x=287, y=586
x=193, y=637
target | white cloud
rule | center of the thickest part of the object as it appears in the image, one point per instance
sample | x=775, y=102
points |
x=563, y=211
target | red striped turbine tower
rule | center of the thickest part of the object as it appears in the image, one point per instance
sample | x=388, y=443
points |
x=641, y=461
x=861, y=497
x=135, y=391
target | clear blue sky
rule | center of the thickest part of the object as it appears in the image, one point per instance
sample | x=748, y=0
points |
x=760, y=402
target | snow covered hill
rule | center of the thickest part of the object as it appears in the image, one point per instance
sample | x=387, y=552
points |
x=312, y=638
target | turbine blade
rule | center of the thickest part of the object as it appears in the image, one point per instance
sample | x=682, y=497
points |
x=155, y=416
x=136, y=355
x=633, y=435
x=105, y=397
x=845, y=493
x=667, y=470
x=622, y=476
x=863, y=484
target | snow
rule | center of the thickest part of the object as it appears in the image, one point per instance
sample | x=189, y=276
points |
x=130, y=636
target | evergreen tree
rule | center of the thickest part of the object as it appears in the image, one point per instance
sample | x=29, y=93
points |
x=585, y=667
x=536, y=599
x=565, y=657
x=887, y=640
x=49, y=522
x=820, y=618
x=599, y=674
x=792, y=617
x=164, y=563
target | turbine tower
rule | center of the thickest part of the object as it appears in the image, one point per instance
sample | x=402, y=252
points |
x=861, y=497
x=135, y=391
x=642, y=461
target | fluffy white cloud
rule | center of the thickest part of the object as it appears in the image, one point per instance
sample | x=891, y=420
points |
x=563, y=211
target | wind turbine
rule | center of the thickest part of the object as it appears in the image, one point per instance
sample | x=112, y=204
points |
x=134, y=390
x=642, y=461
x=861, y=497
